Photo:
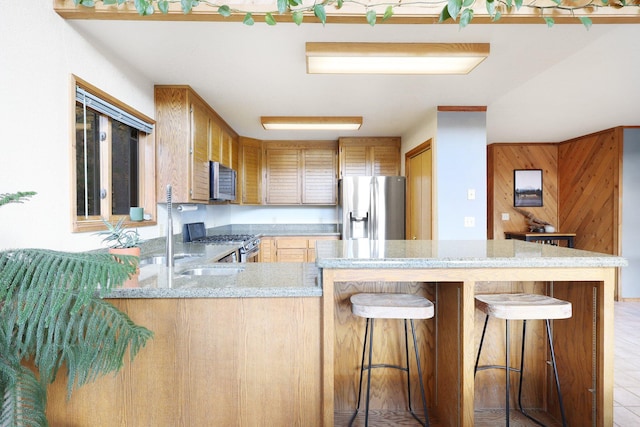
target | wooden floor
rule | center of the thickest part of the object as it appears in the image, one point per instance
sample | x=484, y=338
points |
x=626, y=410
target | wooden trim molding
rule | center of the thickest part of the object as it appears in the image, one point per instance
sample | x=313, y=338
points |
x=462, y=108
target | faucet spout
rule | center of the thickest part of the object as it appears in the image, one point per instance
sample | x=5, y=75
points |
x=169, y=249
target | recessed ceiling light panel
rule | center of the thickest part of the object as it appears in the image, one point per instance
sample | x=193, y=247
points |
x=394, y=58
x=310, y=123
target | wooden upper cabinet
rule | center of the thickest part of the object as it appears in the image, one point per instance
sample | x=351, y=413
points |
x=235, y=154
x=182, y=139
x=369, y=156
x=188, y=136
x=282, y=176
x=250, y=171
x=223, y=147
x=300, y=172
x=214, y=142
x=319, y=176
x=199, y=150
x=226, y=149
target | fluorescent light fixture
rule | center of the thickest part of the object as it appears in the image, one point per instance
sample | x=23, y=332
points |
x=310, y=123
x=394, y=58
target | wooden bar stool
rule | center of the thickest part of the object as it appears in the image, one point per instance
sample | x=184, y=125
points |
x=391, y=306
x=522, y=307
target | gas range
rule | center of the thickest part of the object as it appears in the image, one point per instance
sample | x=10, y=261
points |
x=248, y=241
x=249, y=244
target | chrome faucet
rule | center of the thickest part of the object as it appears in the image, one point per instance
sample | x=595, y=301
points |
x=169, y=251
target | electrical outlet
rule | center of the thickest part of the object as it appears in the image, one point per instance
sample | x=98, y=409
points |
x=469, y=221
x=505, y=216
x=471, y=194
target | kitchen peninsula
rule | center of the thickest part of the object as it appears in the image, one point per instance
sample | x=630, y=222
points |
x=450, y=273
x=276, y=344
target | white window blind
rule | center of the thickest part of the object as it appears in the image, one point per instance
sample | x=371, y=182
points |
x=100, y=105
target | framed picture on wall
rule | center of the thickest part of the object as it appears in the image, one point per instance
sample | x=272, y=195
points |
x=527, y=187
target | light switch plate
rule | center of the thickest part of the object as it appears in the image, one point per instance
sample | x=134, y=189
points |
x=505, y=216
x=471, y=194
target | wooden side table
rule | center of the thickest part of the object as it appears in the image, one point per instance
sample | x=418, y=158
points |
x=550, y=238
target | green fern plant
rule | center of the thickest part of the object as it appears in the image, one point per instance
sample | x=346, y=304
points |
x=52, y=313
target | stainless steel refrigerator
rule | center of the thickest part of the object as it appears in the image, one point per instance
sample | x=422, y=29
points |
x=372, y=207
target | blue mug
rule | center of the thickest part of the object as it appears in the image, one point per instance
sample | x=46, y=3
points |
x=136, y=214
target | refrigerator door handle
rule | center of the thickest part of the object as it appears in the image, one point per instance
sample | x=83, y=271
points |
x=373, y=208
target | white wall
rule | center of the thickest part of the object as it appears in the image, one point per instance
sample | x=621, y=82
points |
x=273, y=215
x=460, y=150
x=630, y=284
x=38, y=53
x=219, y=215
x=461, y=157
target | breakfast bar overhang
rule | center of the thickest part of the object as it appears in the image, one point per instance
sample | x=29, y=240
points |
x=450, y=273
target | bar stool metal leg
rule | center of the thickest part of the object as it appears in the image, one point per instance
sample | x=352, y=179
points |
x=406, y=354
x=484, y=330
x=366, y=415
x=369, y=366
x=510, y=307
x=555, y=372
x=364, y=351
x=362, y=369
x=422, y=392
x=524, y=334
x=508, y=369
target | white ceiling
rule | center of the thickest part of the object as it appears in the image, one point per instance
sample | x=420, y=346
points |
x=539, y=84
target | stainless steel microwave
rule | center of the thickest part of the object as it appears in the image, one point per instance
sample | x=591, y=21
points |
x=222, y=182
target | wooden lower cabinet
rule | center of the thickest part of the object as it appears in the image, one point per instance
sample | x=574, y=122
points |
x=212, y=362
x=290, y=248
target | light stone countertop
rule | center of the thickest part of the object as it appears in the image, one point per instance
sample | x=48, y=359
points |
x=274, y=280
x=414, y=254
x=235, y=280
x=246, y=280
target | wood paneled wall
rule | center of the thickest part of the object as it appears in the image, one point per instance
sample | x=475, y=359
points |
x=581, y=187
x=502, y=160
x=582, y=181
x=589, y=189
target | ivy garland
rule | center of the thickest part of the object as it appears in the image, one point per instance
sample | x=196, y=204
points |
x=461, y=10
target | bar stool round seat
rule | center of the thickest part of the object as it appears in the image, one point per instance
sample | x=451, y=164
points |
x=522, y=306
x=391, y=306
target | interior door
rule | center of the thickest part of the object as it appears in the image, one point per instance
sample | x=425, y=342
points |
x=419, y=170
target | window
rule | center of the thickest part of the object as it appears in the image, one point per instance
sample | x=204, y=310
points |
x=113, y=159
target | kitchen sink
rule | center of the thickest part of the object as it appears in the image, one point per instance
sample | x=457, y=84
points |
x=161, y=259
x=212, y=271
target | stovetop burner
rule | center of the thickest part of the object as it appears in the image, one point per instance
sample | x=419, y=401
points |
x=196, y=233
x=225, y=238
x=248, y=241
